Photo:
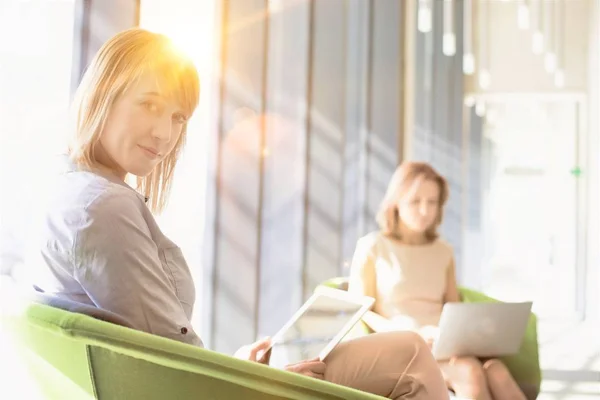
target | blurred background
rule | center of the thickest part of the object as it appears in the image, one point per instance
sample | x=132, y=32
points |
x=306, y=109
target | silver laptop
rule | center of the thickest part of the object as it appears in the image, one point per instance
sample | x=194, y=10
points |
x=481, y=329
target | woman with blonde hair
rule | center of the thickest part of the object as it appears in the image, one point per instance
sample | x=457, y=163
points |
x=102, y=246
x=410, y=272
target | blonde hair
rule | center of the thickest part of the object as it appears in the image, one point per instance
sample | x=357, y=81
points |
x=405, y=177
x=118, y=64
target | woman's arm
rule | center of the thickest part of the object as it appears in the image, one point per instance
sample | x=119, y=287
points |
x=378, y=323
x=117, y=263
x=430, y=332
x=451, y=295
x=363, y=282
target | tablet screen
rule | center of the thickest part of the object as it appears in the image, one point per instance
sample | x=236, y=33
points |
x=313, y=330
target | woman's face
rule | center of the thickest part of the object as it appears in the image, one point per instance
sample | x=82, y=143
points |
x=419, y=206
x=142, y=128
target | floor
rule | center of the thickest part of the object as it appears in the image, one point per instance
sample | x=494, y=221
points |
x=570, y=360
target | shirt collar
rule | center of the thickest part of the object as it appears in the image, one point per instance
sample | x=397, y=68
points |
x=71, y=166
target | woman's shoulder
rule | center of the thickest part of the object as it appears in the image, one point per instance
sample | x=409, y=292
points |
x=370, y=240
x=439, y=251
x=91, y=193
x=82, y=200
x=372, y=243
x=443, y=247
x=77, y=204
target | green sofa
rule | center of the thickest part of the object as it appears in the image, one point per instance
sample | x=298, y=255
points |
x=75, y=356
x=524, y=366
x=78, y=352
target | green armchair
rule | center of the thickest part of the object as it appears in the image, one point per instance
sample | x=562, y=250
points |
x=71, y=355
x=524, y=366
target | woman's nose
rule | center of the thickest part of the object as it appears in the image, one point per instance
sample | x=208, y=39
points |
x=162, y=130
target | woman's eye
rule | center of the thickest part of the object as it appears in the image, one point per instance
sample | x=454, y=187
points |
x=179, y=118
x=150, y=106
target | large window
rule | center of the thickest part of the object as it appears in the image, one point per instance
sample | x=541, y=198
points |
x=35, y=87
x=534, y=212
x=191, y=24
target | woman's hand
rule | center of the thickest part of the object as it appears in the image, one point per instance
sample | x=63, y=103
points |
x=314, y=368
x=430, y=334
x=259, y=351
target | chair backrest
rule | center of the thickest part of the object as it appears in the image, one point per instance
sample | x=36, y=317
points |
x=75, y=356
x=101, y=314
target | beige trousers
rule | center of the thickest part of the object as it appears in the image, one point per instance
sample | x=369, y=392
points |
x=396, y=365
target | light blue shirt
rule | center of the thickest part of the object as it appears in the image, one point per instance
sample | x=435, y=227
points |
x=101, y=246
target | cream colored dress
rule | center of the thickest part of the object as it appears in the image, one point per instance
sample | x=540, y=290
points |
x=408, y=282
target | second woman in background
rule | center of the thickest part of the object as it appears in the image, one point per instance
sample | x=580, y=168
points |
x=410, y=272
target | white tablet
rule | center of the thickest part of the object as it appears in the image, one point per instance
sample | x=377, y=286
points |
x=318, y=326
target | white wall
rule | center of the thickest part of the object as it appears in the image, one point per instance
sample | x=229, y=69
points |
x=593, y=256
x=516, y=71
x=514, y=67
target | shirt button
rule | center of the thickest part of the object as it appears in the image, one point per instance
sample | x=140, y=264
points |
x=184, y=330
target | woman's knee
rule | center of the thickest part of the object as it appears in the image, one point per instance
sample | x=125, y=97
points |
x=408, y=342
x=469, y=371
x=501, y=380
x=408, y=338
x=496, y=370
x=404, y=348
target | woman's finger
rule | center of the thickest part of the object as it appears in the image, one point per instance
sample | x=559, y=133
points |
x=304, y=367
x=260, y=345
x=316, y=376
x=266, y=357
x=316, y=359
x=317, y=367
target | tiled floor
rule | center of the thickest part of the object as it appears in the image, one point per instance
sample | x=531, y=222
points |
x=552, y=390
x=570, y=358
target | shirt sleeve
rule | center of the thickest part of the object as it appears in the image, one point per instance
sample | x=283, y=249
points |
x=117, y=263
x=362, y=271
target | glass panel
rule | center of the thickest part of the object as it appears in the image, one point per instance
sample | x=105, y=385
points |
x=35, y=90
x=531, y=218
x=192, y=25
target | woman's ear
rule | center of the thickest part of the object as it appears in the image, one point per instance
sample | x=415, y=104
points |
x=395, y=218
x=440, y=216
